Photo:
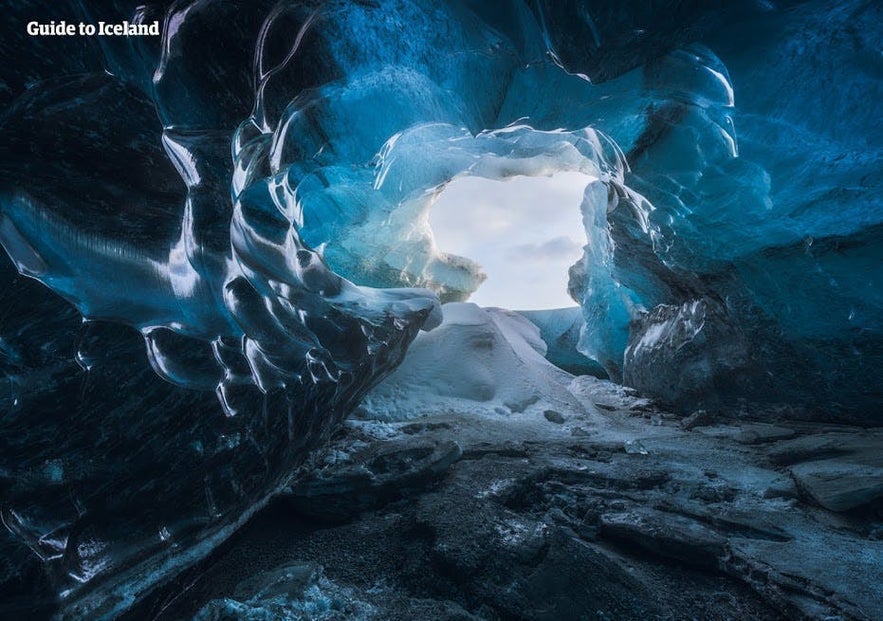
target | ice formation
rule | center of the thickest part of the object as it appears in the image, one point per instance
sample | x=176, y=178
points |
x=217, y=241
x=487, y=361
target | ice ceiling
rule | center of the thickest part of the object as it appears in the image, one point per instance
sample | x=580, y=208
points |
x=241, y=208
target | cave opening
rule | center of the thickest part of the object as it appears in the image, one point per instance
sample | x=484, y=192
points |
x=524, y=231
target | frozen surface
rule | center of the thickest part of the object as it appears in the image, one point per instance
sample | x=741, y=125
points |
x=493, y=362
x=561, y=330
x=216, y=242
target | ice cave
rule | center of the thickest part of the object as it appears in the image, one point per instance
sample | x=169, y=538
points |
x=441, y=310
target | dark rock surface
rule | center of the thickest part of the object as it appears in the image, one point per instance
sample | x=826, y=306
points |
x=464, y=517
x=840, y=485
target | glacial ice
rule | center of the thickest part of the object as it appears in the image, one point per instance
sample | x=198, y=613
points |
x=217, y=242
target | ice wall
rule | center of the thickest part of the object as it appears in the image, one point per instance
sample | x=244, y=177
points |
x=217, y=241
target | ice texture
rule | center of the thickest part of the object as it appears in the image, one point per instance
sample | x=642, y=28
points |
x=754, y=276
x=217, y=241
x=560, y=330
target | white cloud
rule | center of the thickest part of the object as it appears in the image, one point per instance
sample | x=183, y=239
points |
x=552, y=250
x=525, y=232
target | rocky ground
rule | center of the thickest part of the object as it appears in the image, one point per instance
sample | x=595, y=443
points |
x=619, y=512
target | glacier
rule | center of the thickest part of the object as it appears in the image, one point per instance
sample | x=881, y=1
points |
x=217, y=241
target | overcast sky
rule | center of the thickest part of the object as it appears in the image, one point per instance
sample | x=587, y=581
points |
x=525, y=232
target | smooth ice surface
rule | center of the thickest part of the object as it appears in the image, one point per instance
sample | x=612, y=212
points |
x=217, y=241
x=524, y=232
x=561, y=329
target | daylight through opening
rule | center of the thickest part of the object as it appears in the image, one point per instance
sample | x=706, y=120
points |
x=525, y=232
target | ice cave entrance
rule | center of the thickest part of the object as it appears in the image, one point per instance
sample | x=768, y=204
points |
x=525, y=232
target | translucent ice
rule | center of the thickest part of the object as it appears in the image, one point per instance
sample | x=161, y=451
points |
x=217, y=241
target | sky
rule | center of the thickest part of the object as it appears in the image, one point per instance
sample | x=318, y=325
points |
x=525, y=232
